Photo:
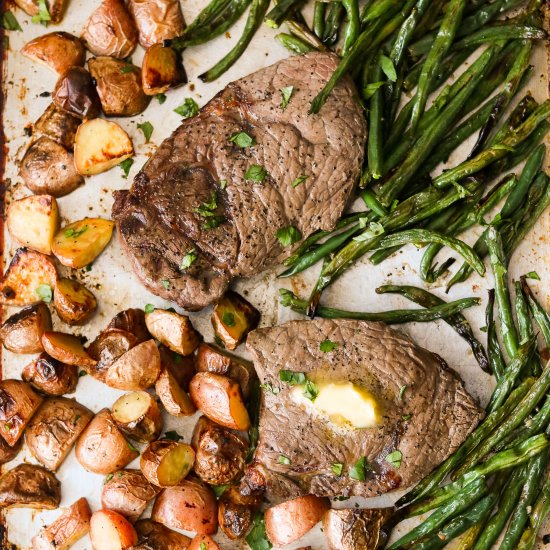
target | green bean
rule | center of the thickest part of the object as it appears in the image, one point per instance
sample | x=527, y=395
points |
x=319, y=19
x=253, y=22
x=466, y=498
x=300, y=30
x=521, y=112
x=539, y=512
x=494, y=353
x=281, y=12
x=333, y=22
x=502, y=460
x=205, y=17
x=458, y=322
x=293, y=43
x=378, y=9
x=441, y=46
x=539, y=314
x=407, y=30
x=501, y=32
x=353, y=28
x=525, y=328
x=376, y=122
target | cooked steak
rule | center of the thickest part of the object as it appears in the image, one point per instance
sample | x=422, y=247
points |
x=425, y=410
x=204, y=191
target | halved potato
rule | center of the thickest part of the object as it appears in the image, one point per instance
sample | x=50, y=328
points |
x=68, y=528
x=182, y=368
x=78, y=244
x=110, y=30
x=236, y=512
x=100, y=144
x=7, y=453
x=220, y=399
x=119, y=86
x=59, y=51
x=75, y=93
x=74, y=303
x=18, y=403
x=233, y=318
x=48, y=168
x=155, y=536
x=161, y=69
x=203, y=542
x=138, y=415
x=33, y=222
x=108, y=347
x=54, y=428
x=50, y=376
x=22, y=332
x=291, y=520
x=173, y=330
x=166, y=463
x=137, y=369
x=131, y=320
x=101, y=448
x=128, y=492
x=172, y=396
x=57, y=125
x=110, y=530
x=56, y=8
x=28, y=274
x=67, y=349
x=190, y=506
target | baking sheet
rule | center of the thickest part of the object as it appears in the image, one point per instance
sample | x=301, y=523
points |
x=25, y=85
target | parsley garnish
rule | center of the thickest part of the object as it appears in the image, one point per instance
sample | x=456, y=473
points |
x=257, y=538
x=223, y=184
x=406, y=417
x=402, y=391
x=291, y=377
x=286, y=94
x=128, y=67
x=532, y=275
x=337, y=468
x=388, y=67
x=108, y=478
x=149, y=308
x=188, y=108
x=44, y=292
x=327, y=345
x=10, y=23
x=311, y=391
x=131, y=447
x=126, y=165
x=370, y=89
x=203, y=544
x=72, y=232
x=208, y=210
x=218, y=490
x=172, y=436
x=288, y=235
x=268, y=386
x=359, y=470
x=299, y=180
x=82, y=373
x=147, y=129
x=256, y=172
x=395, y=459
x=165, y=283
x=161, y=98
x=283, y=460
x=374, y=230
x=242, y=140
x=43, y=15
x=228, y=319
x=189, y=259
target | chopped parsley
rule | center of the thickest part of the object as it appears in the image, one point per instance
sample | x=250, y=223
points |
x=268, y=386
x=402, y=391
x=388, y=67
x=228, y=319
x=44, y=292
x=189, y=259
x=370, y=89
x=242, y=140
x=128, y=67
x=311, y=391
x=395, y=459
x=188, y=108
x=406, y=417
x=257, y=538
x=327, y=345
x=82, y=373
x=149, y=308
x=218, y=490
x=165, y=283
x=532, y=275
x=125, y=165
x=72, y=232
x=256, y=172
x=291, y=377
x=375, y=229
x=359, y=470
x=208, y=210
x=299, y=180
x=10, y=23
x=147, y=129
x=283, y=460
x=131, y=447
x=108, y=478
x=161, y=98
x=203, y=544
x=172, y=436
x=43, y=15
x=337, y=468
x=288, y=235
x=286, y=94
x=223, y=184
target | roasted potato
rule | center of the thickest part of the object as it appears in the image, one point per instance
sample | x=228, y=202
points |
x=166, y=463
x=50, y=376
x=133, y=321
x=100, y=145
x=78, y=244
x=351, y=528
x=110, y=30
x=74, y=303
x=57, y=125
x=138, y=415
x=108, y=347
x=7, y=453
x=155, y=536
x=203, y=542
x=75, y=93
x=220, y=399
x=157, y=20
x=127, y=492
x=220, y=454
x=48, y=168
x=69, y=527
x=233, y=318
x=101, y=448
x=56, y=8
x=211, y=359
x=119, y=86
x=18, y=403
x=173, y=330
x=33, y=222
x=291, y=520
x=54, y=428
x=29, y=486
x=67, y=349
x=190, y=506
x=59, y=51
x=162, y=69
x=111, y=531
x=22, y=332
x=236, y=512
x=137, y=369
x=182, y=368
x=172, y=396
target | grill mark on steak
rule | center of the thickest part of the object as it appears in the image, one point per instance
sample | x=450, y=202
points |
x=157, y=218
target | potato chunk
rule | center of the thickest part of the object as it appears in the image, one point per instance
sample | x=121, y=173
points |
x=50, y=376
x=75, y=93
x=22, y=332
x=108, y=347
x=182, y=368
x=59, y=51
x=67, y=349
x=56, y=8
x=161, y=69
x=57, y=125
x=78, y=244
x=155, y=536
x=111, y=531
x=74, y=303
x=33, y=222
x=172, y=396
x=173, y=330
x=236, y=512
x=131, y=320
x=166, y=463
x=138, y=415
x=99, y=146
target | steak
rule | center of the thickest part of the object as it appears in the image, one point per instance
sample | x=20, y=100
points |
x=201, y=190
x=425, y=410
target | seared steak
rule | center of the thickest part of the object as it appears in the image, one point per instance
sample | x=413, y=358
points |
x=425, y=421
x=201, y=190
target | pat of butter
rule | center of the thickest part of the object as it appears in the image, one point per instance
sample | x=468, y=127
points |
x=343, y=403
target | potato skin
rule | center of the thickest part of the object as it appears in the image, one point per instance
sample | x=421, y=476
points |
x=57, y=50
x=180, y=367
x=56, y=8
x=54, y=428
x=236, y=513
x=75, y=93
x=110, y=30
x=57, y=125
x=172, y=396
x=162, y=69
x=108, y=346
x=29, y=486
x=101, y=448
x=107, y=524
x=7, y=453
x=48, y=168
x=22, y=332
x=156, y=20
x=131, y=320
x=203, y=542
x=118, y=86
x=74, y=303
x=155, y=536
x=148, y=426
x=154, y=454
x=173, y=330
x=128, y=492
x=190, y=506
x=50, y=376
x=67, y=348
